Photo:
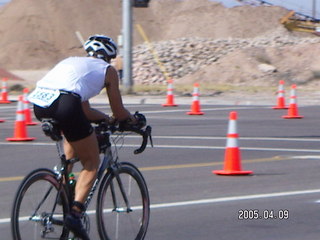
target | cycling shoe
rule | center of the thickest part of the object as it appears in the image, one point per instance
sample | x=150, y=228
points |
x=73, y=223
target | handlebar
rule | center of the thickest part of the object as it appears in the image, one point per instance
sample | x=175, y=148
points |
x=103, y=128
x=146, y=133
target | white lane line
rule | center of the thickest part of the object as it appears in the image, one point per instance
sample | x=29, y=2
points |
x=223, y=147
x=191, y=138
x=4, y=220
x=214, y=200
x=7, y=107
x=307, y=157
x=198, y=138
x=182, y=147
x=240, y=138
x=236, y=198
x=203, y=109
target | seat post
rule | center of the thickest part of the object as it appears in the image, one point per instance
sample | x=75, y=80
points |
x=59, y=145
x=51, y=129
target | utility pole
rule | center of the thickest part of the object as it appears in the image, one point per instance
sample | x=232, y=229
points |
x=127, y=45
x=314, y=7
x=127, y=40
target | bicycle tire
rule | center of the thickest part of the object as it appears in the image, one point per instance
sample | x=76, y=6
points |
x=120, y=223
x=35, y=201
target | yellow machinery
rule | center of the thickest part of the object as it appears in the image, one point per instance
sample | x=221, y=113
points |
x=293, y=21
x=297, y=22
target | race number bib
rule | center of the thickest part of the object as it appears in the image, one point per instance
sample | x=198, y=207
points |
x=43, y=97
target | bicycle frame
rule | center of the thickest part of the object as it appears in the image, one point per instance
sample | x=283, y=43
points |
x=112, y=177
x=108, y=161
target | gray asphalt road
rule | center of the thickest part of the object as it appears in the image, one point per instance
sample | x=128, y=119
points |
x=188, y=200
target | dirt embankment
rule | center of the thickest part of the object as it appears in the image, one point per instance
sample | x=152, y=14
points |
x=36, y=34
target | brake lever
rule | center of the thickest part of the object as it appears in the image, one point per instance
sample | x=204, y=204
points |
x=149, y=129
x=145, y=135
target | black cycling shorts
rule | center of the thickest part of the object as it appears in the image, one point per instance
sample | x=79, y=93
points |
x=67, y=110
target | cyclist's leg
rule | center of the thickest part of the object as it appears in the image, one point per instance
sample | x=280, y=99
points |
x=88, y=153
x=79, y=134
x=81, y=140
x=70, y=153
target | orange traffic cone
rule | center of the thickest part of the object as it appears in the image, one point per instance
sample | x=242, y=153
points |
x=20, y=130
x=280, y=99
x=26, y=109
x=293, y=107
x=195, y=107
x=170, y=96
x=4, y=91
x=1, y=120
x=232, y=158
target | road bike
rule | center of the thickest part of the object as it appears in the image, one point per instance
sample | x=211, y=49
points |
x=45, y=196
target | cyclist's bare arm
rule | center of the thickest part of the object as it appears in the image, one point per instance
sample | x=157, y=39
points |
x=93, y=114
x=114, y=95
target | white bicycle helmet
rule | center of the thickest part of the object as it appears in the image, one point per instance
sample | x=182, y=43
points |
x=101, y=46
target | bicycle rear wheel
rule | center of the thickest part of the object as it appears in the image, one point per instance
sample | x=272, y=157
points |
x=123, y=215
x=35, y=213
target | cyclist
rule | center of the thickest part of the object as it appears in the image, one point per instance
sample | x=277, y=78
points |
x=63, y=94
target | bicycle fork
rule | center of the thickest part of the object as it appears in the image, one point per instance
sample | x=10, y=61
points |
x=110, y=163
x=123, y=193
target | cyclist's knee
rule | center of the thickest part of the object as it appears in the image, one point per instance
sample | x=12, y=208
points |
x=88, y=152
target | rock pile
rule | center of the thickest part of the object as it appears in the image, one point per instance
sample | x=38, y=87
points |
x=184, y=56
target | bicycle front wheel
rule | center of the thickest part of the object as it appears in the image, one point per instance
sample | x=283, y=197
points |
x=123, y=206
x=39, y=208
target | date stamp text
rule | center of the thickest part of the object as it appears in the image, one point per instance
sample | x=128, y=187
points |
x=267, y=214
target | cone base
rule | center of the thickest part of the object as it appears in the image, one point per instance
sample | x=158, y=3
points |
x=169, y=105
x=1, y=120
x=195, y=113
x=13, y=139
x=277, y=107
x=292, y=117
x=4, y=101
x=31, y=123
x=229, y=173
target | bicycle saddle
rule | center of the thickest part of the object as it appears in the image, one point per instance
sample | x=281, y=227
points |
x=50, y=128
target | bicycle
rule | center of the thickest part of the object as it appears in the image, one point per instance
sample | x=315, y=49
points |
x=44, y=197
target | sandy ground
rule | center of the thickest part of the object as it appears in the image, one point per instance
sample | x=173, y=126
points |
x=20, y=21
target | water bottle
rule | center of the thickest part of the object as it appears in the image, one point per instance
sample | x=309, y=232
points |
x=72, y=184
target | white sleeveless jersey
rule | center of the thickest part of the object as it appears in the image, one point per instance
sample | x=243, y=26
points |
x=82, y=75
